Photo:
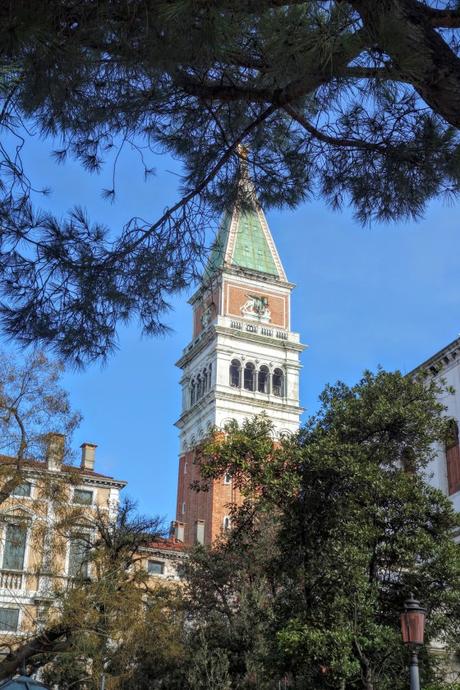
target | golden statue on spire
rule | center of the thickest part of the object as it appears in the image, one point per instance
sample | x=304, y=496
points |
x=242, y=151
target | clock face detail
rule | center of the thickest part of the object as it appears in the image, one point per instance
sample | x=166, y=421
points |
x=256, y=307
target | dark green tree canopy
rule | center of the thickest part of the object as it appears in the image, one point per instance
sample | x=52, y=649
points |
x=357, y=101
x=335, y=531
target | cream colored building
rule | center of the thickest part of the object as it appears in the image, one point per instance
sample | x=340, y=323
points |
x=45, y=527
x=162, y=560
x=41, y=531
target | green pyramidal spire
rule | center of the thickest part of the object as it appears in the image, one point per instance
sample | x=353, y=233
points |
x=244, y=239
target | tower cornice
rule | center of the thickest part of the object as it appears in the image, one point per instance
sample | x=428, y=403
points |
x=440, y=361
x=246, y=336
x=196, y=346
x=236, y=271
x=205, y=337
x=278, y=405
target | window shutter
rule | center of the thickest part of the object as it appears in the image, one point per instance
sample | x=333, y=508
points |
x=453, y=458
x=78, y=554
x=156, y=568
x=15, y=547
x=199, y=531
x=23, y=489
x=83, y=497
x=9, y=619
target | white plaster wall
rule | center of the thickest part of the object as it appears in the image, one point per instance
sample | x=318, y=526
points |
x=437, y=469
x=223, y=402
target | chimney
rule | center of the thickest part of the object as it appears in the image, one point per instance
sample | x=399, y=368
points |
x=88, y=454
x=54, y=450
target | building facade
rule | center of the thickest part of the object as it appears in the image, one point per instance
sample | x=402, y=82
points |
x=243, y=358
x=36, y=555
x=45, y=527
x=444, y=471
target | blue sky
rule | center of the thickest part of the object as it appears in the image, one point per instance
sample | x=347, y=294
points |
x=385, y=295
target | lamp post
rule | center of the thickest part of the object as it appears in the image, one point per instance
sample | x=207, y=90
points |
x=413, y=629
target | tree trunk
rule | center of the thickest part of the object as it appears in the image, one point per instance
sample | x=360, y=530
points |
x=402, y=30
x=52, y=640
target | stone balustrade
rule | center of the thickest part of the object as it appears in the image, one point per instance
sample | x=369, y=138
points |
x=10, y=579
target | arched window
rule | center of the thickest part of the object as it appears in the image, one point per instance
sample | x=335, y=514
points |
x=226, y=523
x=235, y=373
x=278, y=383
x=192, y=393
x=199, y=387
x=453, y=457
x=263, y=379
x=249, y=376
x=210, y=375
x=205, y=381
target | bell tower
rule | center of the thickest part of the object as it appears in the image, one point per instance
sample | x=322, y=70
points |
x=243, y=357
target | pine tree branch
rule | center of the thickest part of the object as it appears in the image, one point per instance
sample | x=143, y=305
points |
x=441, y=19
x=182, y=203
x=50, y=641
x=361, y=72
x=333, y=141
x=255, y=5
x=347, y=49
x=211, y=90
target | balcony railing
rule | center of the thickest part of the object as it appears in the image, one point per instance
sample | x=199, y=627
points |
x=10, y=579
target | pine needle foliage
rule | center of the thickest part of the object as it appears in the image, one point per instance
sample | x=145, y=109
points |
x=354, y=101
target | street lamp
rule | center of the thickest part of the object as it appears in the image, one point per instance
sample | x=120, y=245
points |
x=412, y=629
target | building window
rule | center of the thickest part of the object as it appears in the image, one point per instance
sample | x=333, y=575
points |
x=183, y=508
x=453, y=457
x=83, y=497
x=226, y=523
x=278, y=383
x=78, y=557
x=235, y=373
x=199, y=531
x=185, y=467
x=179, y=528
x=263, y=379
x=15, y=547
x=9, y=619
x=210, y=375
x=205, y=381
x=192, y=393
x=156, y=568
x=227, y=478
x=249, y=376
x=23, y=489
